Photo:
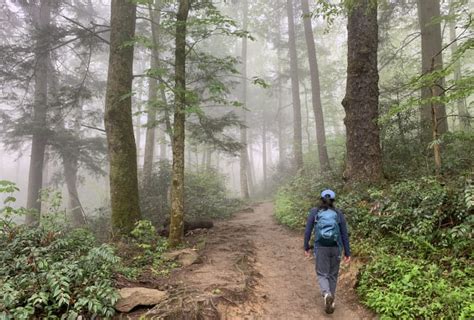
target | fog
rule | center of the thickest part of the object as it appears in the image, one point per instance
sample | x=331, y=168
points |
x=74, y=39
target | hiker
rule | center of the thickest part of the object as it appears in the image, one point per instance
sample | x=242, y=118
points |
x=330, y=236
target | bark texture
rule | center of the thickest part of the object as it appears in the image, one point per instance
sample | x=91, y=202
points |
x=315, y=88
x=431, y=60
x=118, y=119
x=364, y=161
x=177, y=186
x=295, y=89
x=41, y=17
x=244, y=165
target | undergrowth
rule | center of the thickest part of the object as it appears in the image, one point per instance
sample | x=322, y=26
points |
x=53, y=272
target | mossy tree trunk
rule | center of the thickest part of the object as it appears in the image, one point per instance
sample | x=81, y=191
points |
x=364, y=160
x=118, y=119
x=315, y=88
x=295, y=89
x=177, y=187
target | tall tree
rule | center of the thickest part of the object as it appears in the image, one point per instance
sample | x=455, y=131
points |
x=244, y=162
x=264, y=153
x=460, y=103
x=177, y=187
x=118, y=118
x=315, y=88
x=152, y=94
x=295, y=89
x=364, y=161
x=41, y=18
x=431, y=60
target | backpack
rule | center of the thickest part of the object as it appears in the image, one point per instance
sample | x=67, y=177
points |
x=327, y=227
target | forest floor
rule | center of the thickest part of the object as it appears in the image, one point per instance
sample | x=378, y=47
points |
x=253, y=268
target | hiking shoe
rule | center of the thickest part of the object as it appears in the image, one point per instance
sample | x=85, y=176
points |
x=328, y=303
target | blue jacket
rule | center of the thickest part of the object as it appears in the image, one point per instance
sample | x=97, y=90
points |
x=342, y=227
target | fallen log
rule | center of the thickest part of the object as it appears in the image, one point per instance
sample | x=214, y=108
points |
x=188, y=226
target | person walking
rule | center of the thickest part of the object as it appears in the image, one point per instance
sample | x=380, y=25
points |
x=330, y=236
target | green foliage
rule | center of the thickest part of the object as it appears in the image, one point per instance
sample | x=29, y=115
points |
x=154, y=196
x=49, y=274
x=8, y=212
x=458, y=152
x=294, y=200
x=145, y=251
x=400, y=288
x=416, y=236
x=205, y=195
x=426, y=214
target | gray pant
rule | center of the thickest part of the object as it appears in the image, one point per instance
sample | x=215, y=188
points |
x=327, y=268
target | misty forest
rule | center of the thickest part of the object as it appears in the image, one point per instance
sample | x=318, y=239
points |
x=159, y=159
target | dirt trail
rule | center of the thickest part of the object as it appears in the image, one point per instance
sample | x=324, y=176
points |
x=258, y=269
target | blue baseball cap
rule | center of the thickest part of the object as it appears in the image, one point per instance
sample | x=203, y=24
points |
x=328, y=193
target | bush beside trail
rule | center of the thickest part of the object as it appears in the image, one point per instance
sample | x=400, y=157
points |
x=415, y=237
x=55, y=272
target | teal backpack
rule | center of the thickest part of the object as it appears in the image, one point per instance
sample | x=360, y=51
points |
x=327, y=228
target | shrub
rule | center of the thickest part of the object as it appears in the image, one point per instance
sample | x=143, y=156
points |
x=293, y=201
x=143, y=252
x=154, y=202
x=48, y=273
x=400, y=288
x=205, y=195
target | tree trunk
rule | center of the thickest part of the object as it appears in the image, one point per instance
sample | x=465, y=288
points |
x=69, y=155
x=431, y=46
x=244, y=179
x=315, y=88
x=295, y=89
x=364, y=161
x=281, y=145
x=177, y=186
x=208, y=158
x=250, y=170
x=461, y=103
x=152, y=95
x=41, y=17
x=118, y=119
x=264, y=154
x=163, y=144
x=74, y=204
x=138, y=129
x=269, y=153
x=218, y=162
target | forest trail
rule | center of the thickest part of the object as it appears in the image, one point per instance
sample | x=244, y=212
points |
x=260, y=270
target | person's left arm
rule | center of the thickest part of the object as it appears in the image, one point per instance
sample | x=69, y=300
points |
x=309, y=229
